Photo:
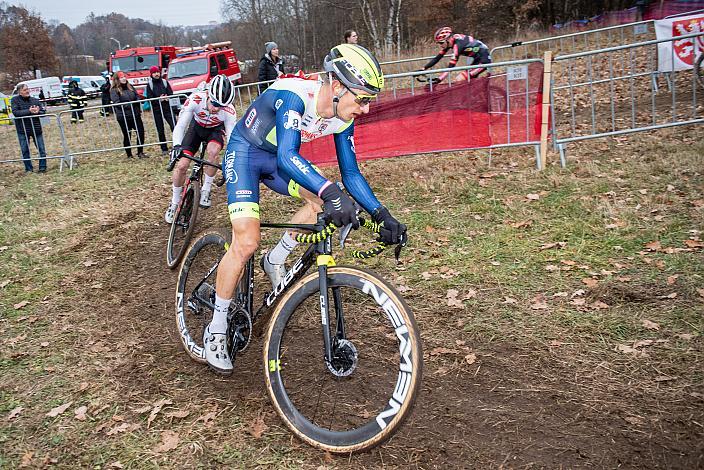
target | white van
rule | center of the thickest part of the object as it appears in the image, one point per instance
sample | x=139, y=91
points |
x=90, y=83
x=51, y=86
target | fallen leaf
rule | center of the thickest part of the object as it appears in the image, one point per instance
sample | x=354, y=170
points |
x=653, y=246
x=578, y=301
x=509, y=300
x=207, y=418
x=426, y=275
x=44, y=344
x=555, y=343
x=552, y=267
x=143, y=409
x=590, y=282
x=539, y=302
x=599, y=305
x=3, y=248
x=470, y=358
x=117, y=464
x=89, y=263
x=522, y=223
x=532, y=197
x=672, y=279
x=700, y=291
x=547, y=246
x=178, y=414
x=169, y=441
x=633, y=420
x=123, y=427
x=452, y=300
x=81, y=413
x=489, y=175
x=5, y=283
x=560, y=294
x=26, y=459
x=686, y=336
x=58, y=410
x=83, y=386
x=471, y=293
x=670, y=296
x=694, y=243
x=650, y=325
x=157, y=408
x=20, y=305
x=14, y=413
x=629, y=350
x=257, y=427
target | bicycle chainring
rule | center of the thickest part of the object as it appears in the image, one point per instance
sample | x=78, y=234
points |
x=344, y=358
x=239, y=331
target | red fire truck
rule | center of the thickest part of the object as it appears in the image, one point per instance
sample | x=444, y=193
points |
x=136, y=61
x=194, y=65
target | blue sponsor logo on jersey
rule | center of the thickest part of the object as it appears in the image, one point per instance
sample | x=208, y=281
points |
x=250, y=118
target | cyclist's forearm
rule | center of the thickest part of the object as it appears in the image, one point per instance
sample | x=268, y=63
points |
x=433, y=61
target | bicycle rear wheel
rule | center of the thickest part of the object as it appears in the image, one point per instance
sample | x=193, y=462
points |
x=361, y=399
x=183, y=225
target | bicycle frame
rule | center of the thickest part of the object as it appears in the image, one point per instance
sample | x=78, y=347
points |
x=319, y=253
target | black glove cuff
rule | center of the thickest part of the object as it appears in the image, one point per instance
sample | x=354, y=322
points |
x=380, y=214
x=331, y=192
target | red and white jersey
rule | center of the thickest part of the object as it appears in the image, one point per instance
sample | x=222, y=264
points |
x=196, y=108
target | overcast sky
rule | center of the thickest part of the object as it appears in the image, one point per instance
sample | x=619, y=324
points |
x=171, y=12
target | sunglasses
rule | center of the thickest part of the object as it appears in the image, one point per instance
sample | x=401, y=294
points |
x=215, y=104
x=361, y=100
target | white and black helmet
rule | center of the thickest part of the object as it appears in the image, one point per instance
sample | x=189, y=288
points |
x=221, y=91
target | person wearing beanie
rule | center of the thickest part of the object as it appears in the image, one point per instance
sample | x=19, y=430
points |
x=271, y=65
x=161, y=110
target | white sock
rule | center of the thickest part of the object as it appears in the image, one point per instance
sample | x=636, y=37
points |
x=208, y=183
x=219, y=323
x=282, y=249
x=176, y=192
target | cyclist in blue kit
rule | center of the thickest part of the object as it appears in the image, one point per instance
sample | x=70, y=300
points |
x=264, y=146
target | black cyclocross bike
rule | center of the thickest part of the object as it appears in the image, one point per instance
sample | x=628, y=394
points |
x=187, y=211
x=345, y=390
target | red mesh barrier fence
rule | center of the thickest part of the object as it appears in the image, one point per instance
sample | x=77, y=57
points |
x=477, y=114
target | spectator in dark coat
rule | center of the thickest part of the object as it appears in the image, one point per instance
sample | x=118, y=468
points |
x=77, y=101
x=27, y=128
x=161, y=109
x=129, y=116
x=105, y=97
x=271, y=65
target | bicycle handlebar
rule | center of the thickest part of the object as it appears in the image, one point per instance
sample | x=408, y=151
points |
x=172, y=163
x=329, y=229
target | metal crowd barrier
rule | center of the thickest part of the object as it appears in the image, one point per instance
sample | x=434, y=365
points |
x=579, y=41
x=582, y=41
x=615, y=91
x=96, y=130
x=51, y=139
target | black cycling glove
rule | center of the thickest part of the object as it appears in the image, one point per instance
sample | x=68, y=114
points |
x=339, y=207
x=173, y=157
x=392, y=230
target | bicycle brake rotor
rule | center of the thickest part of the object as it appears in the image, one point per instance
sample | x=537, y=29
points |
x=344, y=358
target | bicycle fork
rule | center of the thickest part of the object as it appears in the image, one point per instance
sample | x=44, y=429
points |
x=324, y=260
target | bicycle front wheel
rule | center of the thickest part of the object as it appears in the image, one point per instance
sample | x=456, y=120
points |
x=361, y=398
x=183, y=225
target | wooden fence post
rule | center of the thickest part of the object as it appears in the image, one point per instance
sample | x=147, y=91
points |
x=545, y=112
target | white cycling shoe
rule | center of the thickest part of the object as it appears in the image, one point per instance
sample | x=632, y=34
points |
x=276, y=272
x=170, y=213
x=204, y=199
x=215, y=345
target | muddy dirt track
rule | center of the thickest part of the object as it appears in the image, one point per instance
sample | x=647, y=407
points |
x=514, y=407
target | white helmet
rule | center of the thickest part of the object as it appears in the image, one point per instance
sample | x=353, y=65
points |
x=221, y=91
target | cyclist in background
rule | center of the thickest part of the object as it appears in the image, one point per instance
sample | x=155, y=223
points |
x=462, y=45
x=265, y=146
x=207, y=116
